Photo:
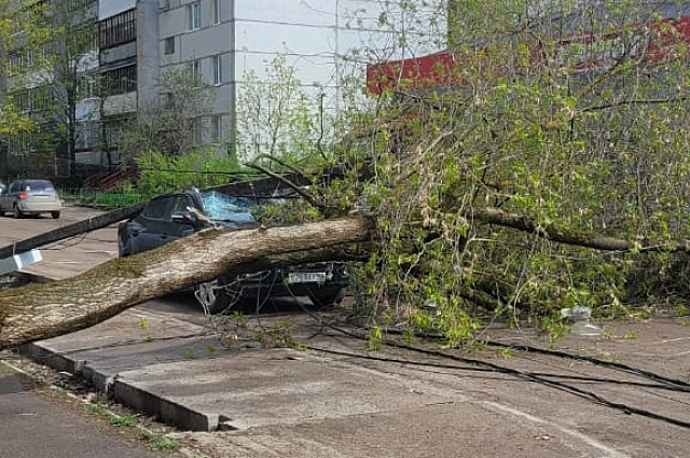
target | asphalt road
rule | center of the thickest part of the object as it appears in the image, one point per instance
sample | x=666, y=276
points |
x=34, y=424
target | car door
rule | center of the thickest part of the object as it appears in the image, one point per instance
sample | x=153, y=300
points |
x=7, y=199
x=154, y=227
x=3, y=197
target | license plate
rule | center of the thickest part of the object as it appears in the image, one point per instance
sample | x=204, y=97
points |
x=307, y=277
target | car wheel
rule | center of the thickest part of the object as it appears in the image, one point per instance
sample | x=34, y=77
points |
x=55, y=215
x=212, y=298
x=326, y=298
x=17, y=212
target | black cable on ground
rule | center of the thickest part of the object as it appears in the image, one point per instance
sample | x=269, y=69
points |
x=678, y=385
x=588, y=395
x=681, y=385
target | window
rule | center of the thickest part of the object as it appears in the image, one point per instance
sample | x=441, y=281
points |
x=178, y=204
x=76, y=5
x=117, y=30
x=197, y=130
x=34, y=99
x=119, y=81
x=29, y=58
x=217, y=70
x=82, y=38
x=216, y=11
x=170, y=45
x=196, y=68
x=194, y=16
x=88, y=135
x=87, y=86
x=217, y=128
x=156, y=209
x=16, y=63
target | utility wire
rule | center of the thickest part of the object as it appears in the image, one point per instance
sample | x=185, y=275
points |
x=677, y=385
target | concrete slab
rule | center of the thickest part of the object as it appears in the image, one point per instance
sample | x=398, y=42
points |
x=452, y=430
x=177, y=372
x=259, y=388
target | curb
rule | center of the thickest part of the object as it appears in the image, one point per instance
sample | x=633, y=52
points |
x=121, y=391
x=115, y=388
x=32, y=278
x=184, y=450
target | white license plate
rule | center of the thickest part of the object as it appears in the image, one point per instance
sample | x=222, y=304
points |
x=307, y=277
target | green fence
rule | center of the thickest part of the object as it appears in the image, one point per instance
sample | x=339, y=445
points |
x=103, y=199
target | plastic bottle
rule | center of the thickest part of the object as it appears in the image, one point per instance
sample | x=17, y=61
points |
x=582, y=324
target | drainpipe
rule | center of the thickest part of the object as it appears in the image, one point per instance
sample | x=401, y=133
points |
x=148, y=56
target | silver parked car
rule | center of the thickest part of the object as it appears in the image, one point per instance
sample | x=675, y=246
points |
x=30, y=197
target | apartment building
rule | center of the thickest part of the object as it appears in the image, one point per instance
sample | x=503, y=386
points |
x=133, y=43
x=223, y=41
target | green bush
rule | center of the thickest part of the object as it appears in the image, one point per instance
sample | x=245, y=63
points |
x=202, y=168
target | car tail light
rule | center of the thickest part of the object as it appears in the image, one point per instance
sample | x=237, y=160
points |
x=23, y=196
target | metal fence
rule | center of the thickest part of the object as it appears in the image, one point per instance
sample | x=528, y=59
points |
x=102, y=199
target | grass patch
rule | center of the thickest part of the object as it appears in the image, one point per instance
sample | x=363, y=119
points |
x=159, y=443
x=119, y=421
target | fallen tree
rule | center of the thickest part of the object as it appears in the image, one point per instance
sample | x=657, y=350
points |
x=46, y=310
x=41, y=311
x=493, y=199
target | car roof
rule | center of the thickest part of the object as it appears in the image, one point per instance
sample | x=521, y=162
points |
x=31, y=180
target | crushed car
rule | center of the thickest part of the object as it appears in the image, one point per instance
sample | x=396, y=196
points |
x=172, y=216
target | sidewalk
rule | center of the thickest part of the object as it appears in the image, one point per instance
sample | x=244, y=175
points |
x=335, y=400
x=63, y=431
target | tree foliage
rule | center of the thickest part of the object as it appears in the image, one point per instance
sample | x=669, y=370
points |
x=15, y=20
x=580, y=134
x=279, y=117
x=202, y=168
x=176, y=126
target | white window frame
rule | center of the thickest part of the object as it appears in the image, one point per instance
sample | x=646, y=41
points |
x=195, y=66
x=195, y=15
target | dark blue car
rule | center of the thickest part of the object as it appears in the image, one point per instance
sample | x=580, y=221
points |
x=167, y=218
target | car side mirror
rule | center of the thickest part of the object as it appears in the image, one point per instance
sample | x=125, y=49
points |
x=184, y=218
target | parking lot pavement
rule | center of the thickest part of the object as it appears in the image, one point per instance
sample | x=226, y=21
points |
x=333, y=399
x=68, y=257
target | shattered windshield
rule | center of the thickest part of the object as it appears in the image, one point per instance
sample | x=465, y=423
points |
x=220, y=207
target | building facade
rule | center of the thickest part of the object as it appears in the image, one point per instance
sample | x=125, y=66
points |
x=224, y=41
x=133, y=43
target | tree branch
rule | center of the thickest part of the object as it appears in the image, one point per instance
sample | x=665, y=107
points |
x=299, y=190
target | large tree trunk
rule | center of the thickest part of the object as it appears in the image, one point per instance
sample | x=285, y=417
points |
x=41, y=311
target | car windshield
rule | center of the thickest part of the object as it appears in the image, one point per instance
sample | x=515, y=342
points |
x=36, y=185
x=220, y=207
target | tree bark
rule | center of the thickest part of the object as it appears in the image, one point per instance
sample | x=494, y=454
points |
x=42, y=311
